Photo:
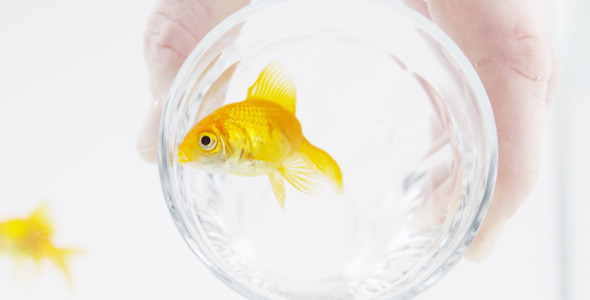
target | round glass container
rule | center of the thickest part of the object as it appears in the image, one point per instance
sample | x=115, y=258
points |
x=392, y=99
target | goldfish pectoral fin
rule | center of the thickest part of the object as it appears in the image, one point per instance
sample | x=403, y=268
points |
x=324, y=163
x=276, y=85
x=278, y=187
x=302, y=174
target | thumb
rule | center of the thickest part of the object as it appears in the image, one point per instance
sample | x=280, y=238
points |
x=174, y=28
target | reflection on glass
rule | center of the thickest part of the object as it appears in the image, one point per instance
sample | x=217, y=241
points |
x=391, y=99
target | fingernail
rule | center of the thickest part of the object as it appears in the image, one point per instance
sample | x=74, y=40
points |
x=147, y=141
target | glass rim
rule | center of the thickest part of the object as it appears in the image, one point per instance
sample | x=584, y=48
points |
x=456, y=55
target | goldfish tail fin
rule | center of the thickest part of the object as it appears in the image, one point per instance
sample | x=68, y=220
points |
x=324, y=162
x=59, y=256
x=309, y=167
x=278, y=187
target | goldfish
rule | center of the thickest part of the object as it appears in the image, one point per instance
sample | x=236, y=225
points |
x=261, y=136
x=30, y=238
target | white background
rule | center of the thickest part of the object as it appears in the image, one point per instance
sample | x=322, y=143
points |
x=73, y=93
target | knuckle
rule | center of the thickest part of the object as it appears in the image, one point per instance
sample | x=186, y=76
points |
x=173, y=28
x=528, y=53
x=160, y=33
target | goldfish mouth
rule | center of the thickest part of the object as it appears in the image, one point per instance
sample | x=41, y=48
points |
x=182, y=158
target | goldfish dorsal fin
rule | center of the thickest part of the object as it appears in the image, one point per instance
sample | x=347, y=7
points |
x=39, y=216
x=276, y=85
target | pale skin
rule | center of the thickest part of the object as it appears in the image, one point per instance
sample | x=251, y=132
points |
x=506, y=41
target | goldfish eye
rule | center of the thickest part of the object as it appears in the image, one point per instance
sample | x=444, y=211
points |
x=207, y=141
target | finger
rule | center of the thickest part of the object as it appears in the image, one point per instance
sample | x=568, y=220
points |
x=509, y=49
x=173, y=30
x=418, y=5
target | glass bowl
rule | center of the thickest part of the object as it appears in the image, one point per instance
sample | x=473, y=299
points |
x=397, y=105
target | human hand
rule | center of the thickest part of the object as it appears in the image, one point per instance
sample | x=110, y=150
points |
x=509, y=46
x=505, y=40
x=173, y=30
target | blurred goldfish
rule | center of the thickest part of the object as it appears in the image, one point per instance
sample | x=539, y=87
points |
x=30, y=238
x=261, y=136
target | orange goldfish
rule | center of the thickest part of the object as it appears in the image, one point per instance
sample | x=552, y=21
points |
x=261, y=136
x=30, y=238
